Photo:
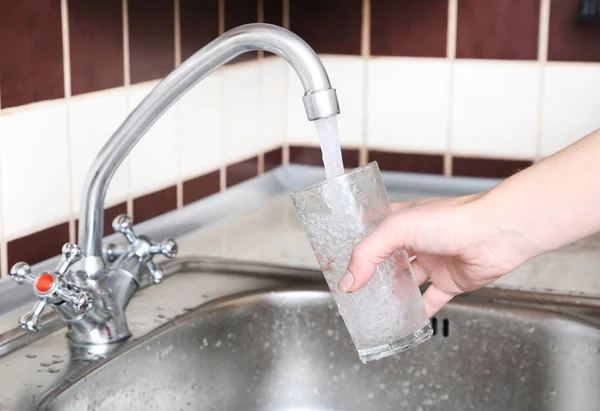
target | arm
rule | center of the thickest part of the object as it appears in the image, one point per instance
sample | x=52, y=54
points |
x=464, y=243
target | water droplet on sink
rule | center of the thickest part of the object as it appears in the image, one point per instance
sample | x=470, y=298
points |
x=57, y=361
x=160, y=316
x=30, y=355
x=55, y=356
x=53, y=370
x=552, y=392
x=46, y=364
x=370, y=395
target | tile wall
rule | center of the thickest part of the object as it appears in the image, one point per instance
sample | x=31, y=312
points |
x=453, y=87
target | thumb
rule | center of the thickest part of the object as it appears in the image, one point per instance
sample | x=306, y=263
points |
x=382, y=242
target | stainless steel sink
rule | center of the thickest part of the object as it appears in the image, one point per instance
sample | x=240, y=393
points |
x=287, y=349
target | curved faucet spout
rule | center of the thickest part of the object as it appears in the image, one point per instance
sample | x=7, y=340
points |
x=320, y=101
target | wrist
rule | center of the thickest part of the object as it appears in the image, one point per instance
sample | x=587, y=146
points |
x=504, y=226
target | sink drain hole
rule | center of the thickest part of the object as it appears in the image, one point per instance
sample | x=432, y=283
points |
x=446, y=327
x=434, y=325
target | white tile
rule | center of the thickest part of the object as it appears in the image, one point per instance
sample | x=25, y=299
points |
x=199, y=127
x=241, y=110
x=571, y=105
x=408, y=104
x=299, y=129
x=154, y=163
x=495, y=108
x=346, y=74
x=35, y=167
x=273, y=99
x=93, y=119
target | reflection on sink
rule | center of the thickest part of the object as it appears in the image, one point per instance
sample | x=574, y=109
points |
x=289, y=350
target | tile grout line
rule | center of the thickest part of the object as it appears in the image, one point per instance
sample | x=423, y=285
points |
x=127, y=84
x=285, y=147
x=260, y=18
x=66, y=44
x=451, y=40
x=286, y=14
x=365, y=48
x=3, y=242
x=222, y=168
x=178, y=114
x=177, y=34
x=543, y=39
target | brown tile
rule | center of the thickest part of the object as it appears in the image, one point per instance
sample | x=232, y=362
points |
x=311, y=156
x=154, y=204
x=237, y=13
x=151, y=39
x=242, y=171
x=487, y=167
x=570, y=38
x=350, y=157
x=273, y=159
x=109, y=215
x=96, y=43
x=199, y=24
x=409, y=28
x=201, y=187
x=39, y=246
x=330, y=27
x=506, y=29
x=273, y=12
x=408, y=162
x=31, y=55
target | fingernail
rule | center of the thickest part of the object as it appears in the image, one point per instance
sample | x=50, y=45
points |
x=346, y=282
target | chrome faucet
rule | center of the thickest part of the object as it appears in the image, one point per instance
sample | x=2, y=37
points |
x=92, y=298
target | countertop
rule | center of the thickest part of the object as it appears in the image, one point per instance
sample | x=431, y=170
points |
x=273, y=234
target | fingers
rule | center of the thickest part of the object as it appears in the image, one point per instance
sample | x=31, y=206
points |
x=434, y=299
x=372, y=250
x=404, y=205
x=421, y=274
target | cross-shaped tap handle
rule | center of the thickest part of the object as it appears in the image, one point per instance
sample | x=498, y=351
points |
x=52, y=287
x=144, y=247
x=123, y=224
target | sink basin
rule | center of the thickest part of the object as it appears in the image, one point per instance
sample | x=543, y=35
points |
x=287, y=349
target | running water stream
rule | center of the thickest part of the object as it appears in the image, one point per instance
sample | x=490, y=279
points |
x=327, y=131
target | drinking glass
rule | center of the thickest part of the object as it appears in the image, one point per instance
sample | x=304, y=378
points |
x=386, y=316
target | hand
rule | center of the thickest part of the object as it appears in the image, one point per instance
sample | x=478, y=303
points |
x=457, y=244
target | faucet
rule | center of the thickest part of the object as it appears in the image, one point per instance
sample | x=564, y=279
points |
x=92, y=285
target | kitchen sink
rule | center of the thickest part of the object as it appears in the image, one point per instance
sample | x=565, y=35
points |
x=286, y=348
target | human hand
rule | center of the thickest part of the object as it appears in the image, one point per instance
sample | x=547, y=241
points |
x=458, y=244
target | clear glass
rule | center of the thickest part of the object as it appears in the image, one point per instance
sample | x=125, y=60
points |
x=387, y=315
